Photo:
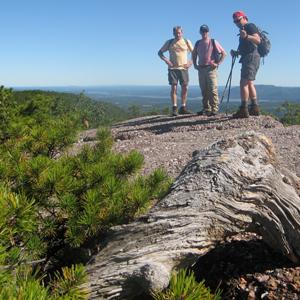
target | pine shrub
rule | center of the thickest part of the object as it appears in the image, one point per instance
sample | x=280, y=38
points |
x=183, y=286
x=25, y=283
x=289, y=113
x=68, y=284
x=52, y=203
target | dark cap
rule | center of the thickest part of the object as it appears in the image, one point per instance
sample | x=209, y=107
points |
x=204, y=28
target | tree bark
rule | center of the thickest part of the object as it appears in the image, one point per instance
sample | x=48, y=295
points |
x=235, y=185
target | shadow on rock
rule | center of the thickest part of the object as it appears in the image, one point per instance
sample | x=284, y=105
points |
x=231, y=265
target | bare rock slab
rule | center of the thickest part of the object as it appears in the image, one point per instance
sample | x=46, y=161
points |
x=232, y=186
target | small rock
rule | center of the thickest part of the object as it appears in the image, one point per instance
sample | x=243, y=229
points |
x=263, y=278
x=242, y=283
x=273, y=284
x=251, y=295
x=265, y=294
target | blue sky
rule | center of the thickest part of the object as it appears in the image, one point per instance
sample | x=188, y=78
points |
x=115, y=42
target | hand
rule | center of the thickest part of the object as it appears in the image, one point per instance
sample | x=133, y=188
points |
x=169, y=63
x=243, y=34
x=214, y=65
x=187, y=65
x=190, y=63
x=234, y=53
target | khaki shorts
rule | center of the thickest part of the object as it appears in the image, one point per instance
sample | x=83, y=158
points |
x=250, y=66
x=178, y=75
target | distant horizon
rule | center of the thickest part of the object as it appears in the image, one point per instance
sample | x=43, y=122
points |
x=161, y=93
x=127, y=85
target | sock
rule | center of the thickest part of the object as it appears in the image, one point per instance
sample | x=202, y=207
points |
x=244, y=103
x=254, y=101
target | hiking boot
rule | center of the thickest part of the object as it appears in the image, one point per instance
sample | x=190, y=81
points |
x=253, y=110
x=212, y=113
x=241, y=113
x=203, y=112
x=174, y=111
x=183, y=111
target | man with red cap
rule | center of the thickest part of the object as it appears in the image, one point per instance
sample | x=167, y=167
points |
x=250, y=60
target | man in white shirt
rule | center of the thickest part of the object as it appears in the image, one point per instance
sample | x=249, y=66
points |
x=178, y=65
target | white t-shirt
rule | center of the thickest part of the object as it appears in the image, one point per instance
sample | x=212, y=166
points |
x=178, y=51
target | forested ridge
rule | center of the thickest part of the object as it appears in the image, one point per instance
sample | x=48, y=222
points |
x=53, y=205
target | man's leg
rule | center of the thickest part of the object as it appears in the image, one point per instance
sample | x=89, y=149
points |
x=174, y=99
x=253, y=107
x=183, y=109
x=213, y=90
x=250, y=66
x=252, y=90
x=244, y=90
x=174, y=94
x=184, y=81
x=184, y=91
x=173, y=81
x=203, y=86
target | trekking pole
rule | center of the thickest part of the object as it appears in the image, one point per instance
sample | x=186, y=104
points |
x=229, y=88
x=228, y=82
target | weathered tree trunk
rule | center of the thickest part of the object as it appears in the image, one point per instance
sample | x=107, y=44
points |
x=230, y=187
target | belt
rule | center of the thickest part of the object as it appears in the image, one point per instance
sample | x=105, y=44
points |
x=204, y=66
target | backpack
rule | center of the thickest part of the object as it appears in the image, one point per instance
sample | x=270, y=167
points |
x=187, y=44
x=265, y=44
x=215, y=55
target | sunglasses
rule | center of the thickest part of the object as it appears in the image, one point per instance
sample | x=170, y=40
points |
x=238, y=20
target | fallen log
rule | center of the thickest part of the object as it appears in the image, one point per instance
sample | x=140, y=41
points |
x=233, y=186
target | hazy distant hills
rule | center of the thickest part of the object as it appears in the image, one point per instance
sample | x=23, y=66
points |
x=266, y=92
x=149, y=97
x=272, y=92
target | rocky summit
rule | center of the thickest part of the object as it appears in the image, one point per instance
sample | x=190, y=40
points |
x=243, y=266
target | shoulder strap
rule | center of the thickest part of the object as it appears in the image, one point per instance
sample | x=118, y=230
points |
x=196, y=45
x=186, y=41
x=170, y=42
x=214, y=44
x=188, y=45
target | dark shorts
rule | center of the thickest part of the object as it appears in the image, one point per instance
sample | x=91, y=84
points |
x=250, y=66
x=178, y=75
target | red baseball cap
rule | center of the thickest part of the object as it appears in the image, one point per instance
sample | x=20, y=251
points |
x=238, y=14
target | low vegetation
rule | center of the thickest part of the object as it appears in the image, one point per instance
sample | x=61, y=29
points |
x=53, y=205
x=289, y=113
x=183, y=285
